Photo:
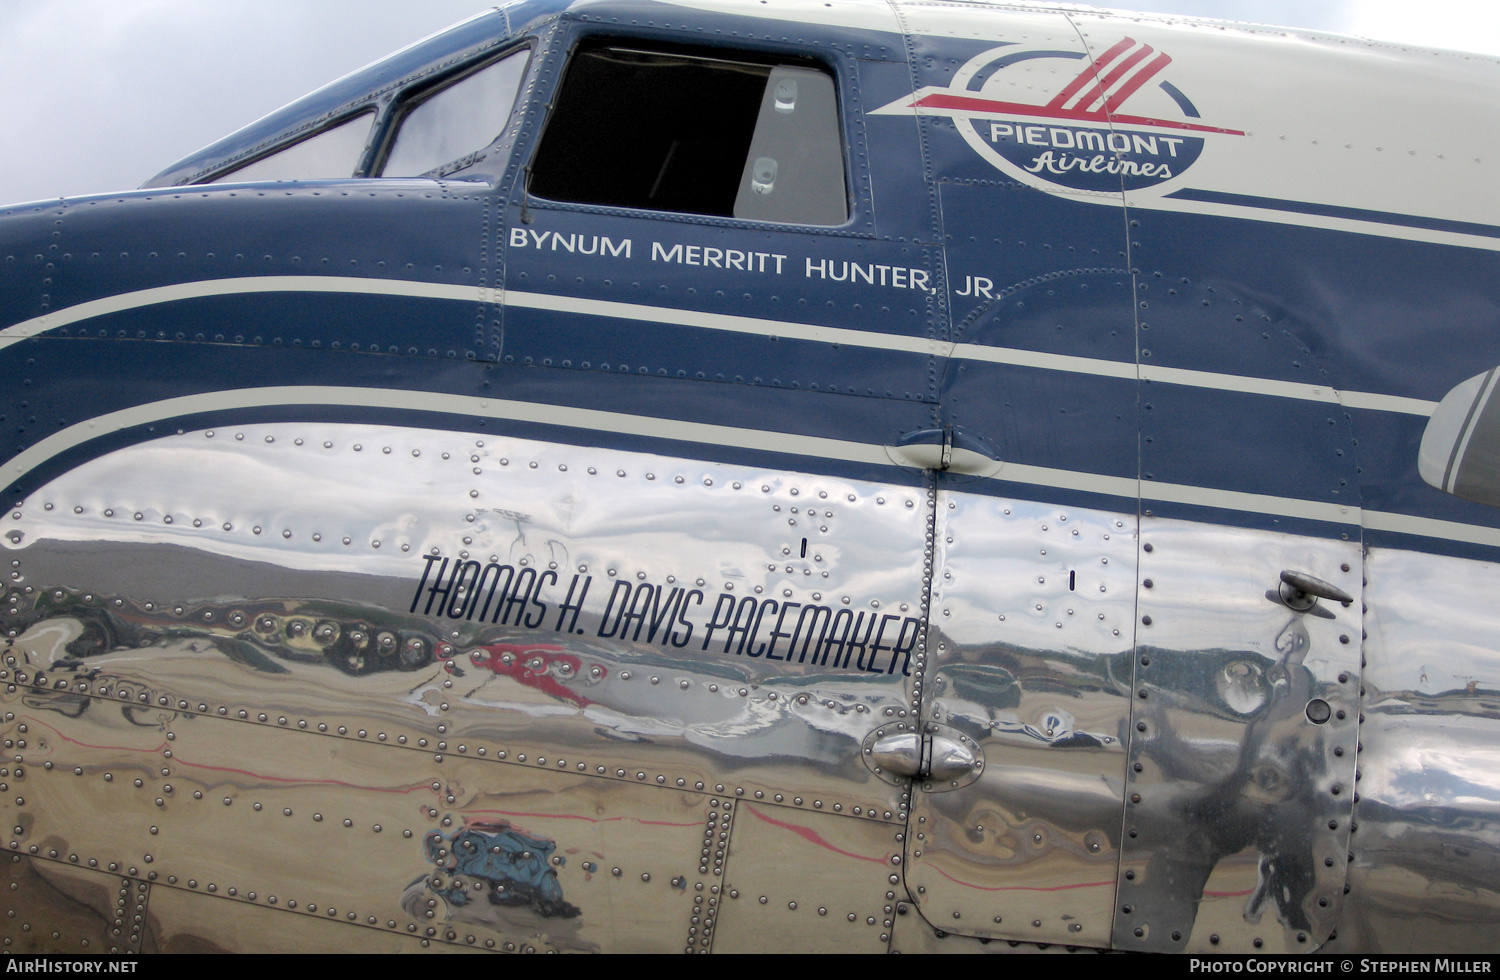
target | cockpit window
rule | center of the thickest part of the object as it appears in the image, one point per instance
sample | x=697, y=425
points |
x=665, y=131
x=459, y=119
x=332, y=152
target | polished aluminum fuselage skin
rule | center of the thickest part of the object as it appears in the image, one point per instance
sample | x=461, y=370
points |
x=385, y=575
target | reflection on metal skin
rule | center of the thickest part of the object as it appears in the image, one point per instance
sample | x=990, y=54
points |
x=941, y=758
x=897, y=756
x=1426, y=857
x=505, y=865
x=807, y=880
x=1238, y=803
x=55, y=907
x=348, y=649
x=368, y=730
x=951, y=760
x=914, y=934
x=1032, y=608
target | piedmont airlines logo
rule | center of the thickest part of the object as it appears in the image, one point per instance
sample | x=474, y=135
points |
x=1054, y=117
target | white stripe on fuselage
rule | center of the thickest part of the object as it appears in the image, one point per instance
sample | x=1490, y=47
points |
x=754, y=439
x=812, y=447
x=233, y=287
x=1096, y=367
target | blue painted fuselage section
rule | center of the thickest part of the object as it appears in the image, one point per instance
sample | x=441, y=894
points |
x=1249, y=299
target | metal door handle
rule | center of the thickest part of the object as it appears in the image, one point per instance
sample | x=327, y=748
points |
x=922, y=756
x=1300, y=590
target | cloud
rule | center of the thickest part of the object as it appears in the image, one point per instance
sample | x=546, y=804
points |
x=1462, y=25
x=1325, y=16
x=103, y=94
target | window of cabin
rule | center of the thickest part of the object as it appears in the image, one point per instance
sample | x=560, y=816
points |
x=663, y=131
x=332, y=152
x=457, y=119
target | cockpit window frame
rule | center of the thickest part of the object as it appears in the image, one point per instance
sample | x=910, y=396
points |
x=395, y=110
x=549, y=53
x=227, y=174
x=850, y=129
x=409, y=99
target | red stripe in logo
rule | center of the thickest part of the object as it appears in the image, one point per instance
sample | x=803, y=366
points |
x=1097, y=92
x=1090, y=72
x=970, y=103
x=1140, y=78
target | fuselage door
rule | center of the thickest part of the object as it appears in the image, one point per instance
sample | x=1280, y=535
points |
x=1240, y=789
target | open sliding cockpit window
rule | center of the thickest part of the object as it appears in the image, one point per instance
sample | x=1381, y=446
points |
x=693, y=134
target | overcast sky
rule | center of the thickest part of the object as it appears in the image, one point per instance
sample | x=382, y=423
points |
x=100, y=95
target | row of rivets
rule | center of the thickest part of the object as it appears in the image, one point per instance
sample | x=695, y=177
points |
x=711, y=864
x=924, y=635
x=134, y=894
x=128, y=918
x=130, y=908
x=716, y=841
x=130, y=914
x=822, y=910
x=122, y=692
x=287, y=533
x=225, y=526
x=133, y=919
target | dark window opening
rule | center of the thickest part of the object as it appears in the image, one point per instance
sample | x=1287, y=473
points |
x=697, y=135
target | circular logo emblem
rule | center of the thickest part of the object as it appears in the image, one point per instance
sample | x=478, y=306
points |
x=1063, y=120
